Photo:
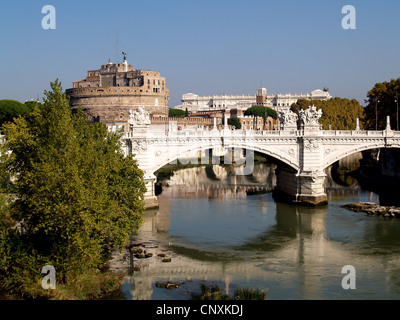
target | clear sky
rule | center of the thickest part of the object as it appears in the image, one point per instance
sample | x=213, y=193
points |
x=205, y=47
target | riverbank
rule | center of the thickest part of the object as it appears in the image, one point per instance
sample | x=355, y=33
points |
x=94, y=285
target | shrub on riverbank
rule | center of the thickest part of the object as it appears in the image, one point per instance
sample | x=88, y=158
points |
x=76, y=197
x=215, y=293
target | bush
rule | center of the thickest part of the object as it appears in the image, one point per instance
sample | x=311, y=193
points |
x=77, y=196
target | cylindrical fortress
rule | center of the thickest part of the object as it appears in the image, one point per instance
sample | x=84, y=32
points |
x=108, y=94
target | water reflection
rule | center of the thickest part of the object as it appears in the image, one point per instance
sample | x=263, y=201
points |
x=220, y=182
x=213, y=230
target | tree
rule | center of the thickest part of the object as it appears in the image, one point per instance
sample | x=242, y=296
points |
x=235, y=122
x=32, y=105
x=176, y=113
x=337, y=113
x=262, y=112
x=10, y=109
x=382, y=103
x=76, y=194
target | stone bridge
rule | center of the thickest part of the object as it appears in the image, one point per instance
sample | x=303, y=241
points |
x=302, y=149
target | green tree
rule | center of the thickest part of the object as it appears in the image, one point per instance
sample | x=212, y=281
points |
x=337, y=113
x=260, y=111
x=33, y=104
x=235, y=122
x=176, y=113
x=10, y=109
x=77, y=196
x=382, y=102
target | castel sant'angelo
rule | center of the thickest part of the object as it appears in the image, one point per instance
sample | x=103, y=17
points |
x=107, y=94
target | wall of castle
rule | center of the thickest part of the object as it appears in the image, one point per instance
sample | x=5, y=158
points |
x=113, y=103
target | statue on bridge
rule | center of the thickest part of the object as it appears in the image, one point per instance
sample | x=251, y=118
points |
x=288, y=120
x=310, y=118
x=139, y=118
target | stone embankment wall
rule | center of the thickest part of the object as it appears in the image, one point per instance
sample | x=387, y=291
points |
x=390, y=163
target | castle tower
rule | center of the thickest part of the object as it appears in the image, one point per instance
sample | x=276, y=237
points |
x=107, y=94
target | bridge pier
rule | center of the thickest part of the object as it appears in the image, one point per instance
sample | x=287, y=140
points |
x=150, y=199
x=304, y=188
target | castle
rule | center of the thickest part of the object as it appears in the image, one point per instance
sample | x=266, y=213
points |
x=107, y=94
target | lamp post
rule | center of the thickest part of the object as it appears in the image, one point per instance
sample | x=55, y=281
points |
x=376, y=114
x=397, y=112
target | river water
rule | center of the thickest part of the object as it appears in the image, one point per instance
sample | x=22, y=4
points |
x=228, y=231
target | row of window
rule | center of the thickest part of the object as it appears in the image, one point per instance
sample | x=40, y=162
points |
x=155, y=90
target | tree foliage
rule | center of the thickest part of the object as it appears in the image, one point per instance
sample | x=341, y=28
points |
x=337, y=113
x=235, y=122
x=262, y=112
x=176, y=113
x=33, y=104
x=10, y=109
x=382, y=100
x=76, y=194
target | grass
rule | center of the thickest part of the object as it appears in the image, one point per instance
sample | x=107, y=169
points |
x=92, y=285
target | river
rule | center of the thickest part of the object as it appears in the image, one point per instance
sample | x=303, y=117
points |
x=228, y=231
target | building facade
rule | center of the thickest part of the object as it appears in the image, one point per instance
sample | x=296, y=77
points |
x=279, y=102
x=108, y=93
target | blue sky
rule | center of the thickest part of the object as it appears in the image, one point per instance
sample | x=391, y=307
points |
x=205, y=47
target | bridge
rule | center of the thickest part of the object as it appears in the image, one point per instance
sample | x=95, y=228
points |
x=302, y=149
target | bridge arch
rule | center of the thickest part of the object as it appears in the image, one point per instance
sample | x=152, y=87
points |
x=273, y=152
x=352, y=150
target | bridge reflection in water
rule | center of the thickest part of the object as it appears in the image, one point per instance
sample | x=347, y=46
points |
x=294, y=252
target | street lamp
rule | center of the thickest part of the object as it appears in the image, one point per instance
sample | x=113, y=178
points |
x=397, y=112
x=376, y=114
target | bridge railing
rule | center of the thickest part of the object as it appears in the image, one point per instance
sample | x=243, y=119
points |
x=362, y=133
x=256, y=133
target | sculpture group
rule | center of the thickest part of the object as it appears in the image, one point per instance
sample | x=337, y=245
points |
x=306, y=118
x=138, y=118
